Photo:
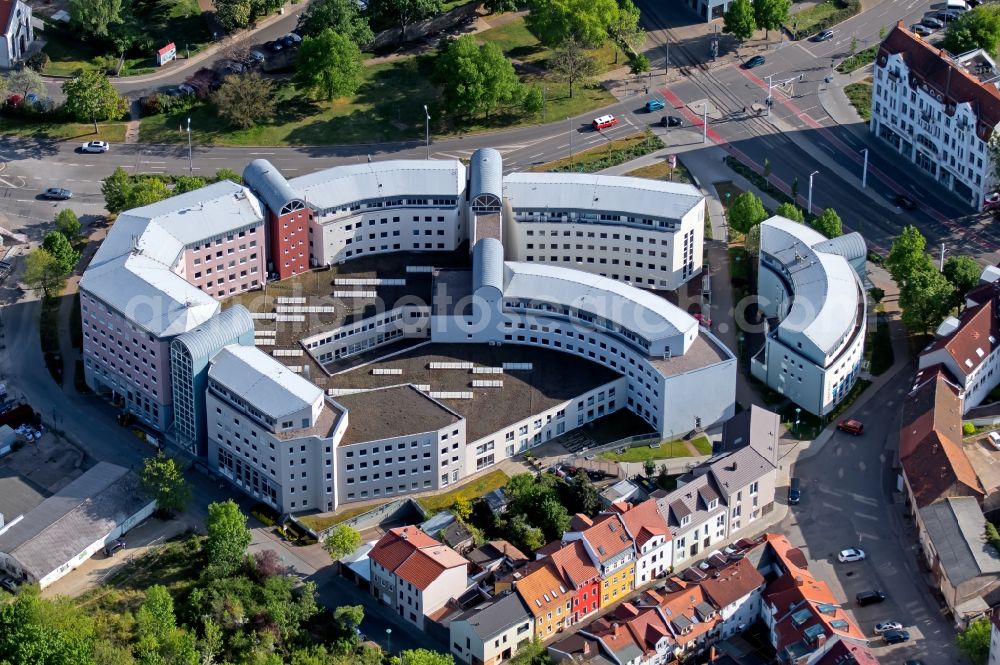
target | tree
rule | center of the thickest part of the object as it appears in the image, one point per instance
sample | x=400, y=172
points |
x=228, y=174
x=649, y=467
x=349, y=616
x=328, y=66
x=877, y=294
x=963, y=273
x=523, y=534
x=188, y=183
x=533, y=100
x=585, y=495
x=790, y=211
x=552, y=517
x=663, y=480
x=43, y=274
x=462, y=509
x=770, y=14
x=117, y=188
x=28, y=634
x=146, y=191
x=745, y=211
x=401, y=13
x=570, y=63
x=828, y=223
x=24, y=81
x=638, y=63
x=751, y=241
x=342, y=16
x=502, y=6
x=474, y=78
x=155, y=617
x=245, y=100
x=925, y=298
x=162, y=478
x=426, y=657
x=265, y=564
x=977, y=28
x=94, y=17
x=56, y=244
x=342, y=541
x=90, y=96
x=68, y=224
x=233, y=14
x=854, y=45
x=588, y=21
x=739, y=21
x=974, y=641
x=624, y=30
x=228, y=536
x=906, y=256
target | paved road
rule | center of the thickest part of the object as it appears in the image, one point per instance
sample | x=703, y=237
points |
x=849, y=500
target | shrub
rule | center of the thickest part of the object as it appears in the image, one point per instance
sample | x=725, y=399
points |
x=968, y=429
x=39, y=61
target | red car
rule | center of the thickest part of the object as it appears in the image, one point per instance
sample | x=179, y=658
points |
x=854, y=427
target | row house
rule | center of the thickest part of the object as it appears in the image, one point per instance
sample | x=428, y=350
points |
x=612, y=550
x=647, y=627
x=547, y=598
x=653, y=542
x=415, y=574
x=580, y=573
x=493, y=631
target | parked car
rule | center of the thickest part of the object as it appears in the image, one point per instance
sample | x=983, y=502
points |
x=273, y=46
x=9, y=583
x=896, y=636
x=886, y=626
x=114, y=546
x=855, y=427
x=755, y=61
x=287, y=41
x=850, y=555
x=256, y=57
x=932, y=22
x=905, y=202
x=57, y=194
x=95, y=146
x=822, y=36
x=869, y=597
x=794, y=491
x=655, y=105
x=671, y=121
x=994, y=438
x=294, y=36
x=596, y=474
x=922, y=30
x=186, y=89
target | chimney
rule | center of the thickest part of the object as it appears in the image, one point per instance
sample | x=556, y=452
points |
x=820, y=640
x=799, y=581
x=586, y=648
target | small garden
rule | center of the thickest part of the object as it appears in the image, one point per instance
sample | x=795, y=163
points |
x=858, y=60
x=860, y=96
x=662, y=450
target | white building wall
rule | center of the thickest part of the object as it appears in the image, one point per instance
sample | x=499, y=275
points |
x=654, y=559
x=916, y=124
x=344, y=234
x=739, y=615
x=467, y=645
x=406, y=322
x=994, y=657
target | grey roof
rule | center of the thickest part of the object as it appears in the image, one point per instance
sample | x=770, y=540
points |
x=594, y=193
x=262, y=382
x=625, y=307
x=497, y=500
x=269, y=184
x=341, y=185
x=492, y=619
x=217, y=332
x=756, y=427
x=436, y=522
x=851, y=246
x=487, y=264
x=72, y=519
x=955, y=527
x=486, y=174
x=132, y=271
x=826, y=291
x=735, y=470
x=687, y=495
x=622, y=490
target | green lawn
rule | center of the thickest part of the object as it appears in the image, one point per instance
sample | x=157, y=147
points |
x=520, y=45
x=860, y=96
x=661, y=171
x=471, y=490
x=113, y=132
x=320, y=522
x=664, y=450
x=163, y=21
x=858, y=60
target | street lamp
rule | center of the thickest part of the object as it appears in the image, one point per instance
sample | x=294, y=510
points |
x=190, y=158
x=809, y=210
x=388, y=636
x=864, y=170
x=427, y=131
x=704, y=123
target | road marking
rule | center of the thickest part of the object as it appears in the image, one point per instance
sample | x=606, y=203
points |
x=536, y=156
x=261, y=153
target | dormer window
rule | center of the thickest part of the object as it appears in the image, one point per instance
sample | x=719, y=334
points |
x=685, y=520
x=713, y=504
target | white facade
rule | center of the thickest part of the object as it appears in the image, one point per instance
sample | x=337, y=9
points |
x=939, y=127
x=994, y=658
x=813, y=356
x=405, y=322
x=411, y=602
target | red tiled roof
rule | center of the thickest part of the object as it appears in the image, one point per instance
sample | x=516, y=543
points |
x=572, y=560
x=579, y=522
x=644, y=521
x=978, y=334
x=734, y=582
x=929, y=67
x=608, y=537
x=414, y=556
x=847, y=653
x=542, y=588
x=930, y=443
x=6, y=10
x=683, y=603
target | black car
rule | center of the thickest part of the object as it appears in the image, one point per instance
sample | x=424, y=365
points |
x=671, y=121
x=823, y=36
x=755, y=61
x=905, y=202
x=596, y=474
x=794, y=491
x=274, y=47
x=114, y=546
x=869, y=597
x=896, y=636
x=57, y=194
x=287, y=41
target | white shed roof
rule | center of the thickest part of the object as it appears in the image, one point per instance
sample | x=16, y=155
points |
x=262, y=382
x=132, y=270
x=642, y=312
x=577, y=191
x=825, y=287
x=341, y=185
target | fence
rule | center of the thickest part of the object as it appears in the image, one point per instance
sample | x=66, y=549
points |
x=387, y=512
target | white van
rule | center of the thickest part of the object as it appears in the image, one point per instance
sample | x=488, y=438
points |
x=958, y=5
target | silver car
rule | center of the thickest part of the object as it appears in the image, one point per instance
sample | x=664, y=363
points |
x=886, y=626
